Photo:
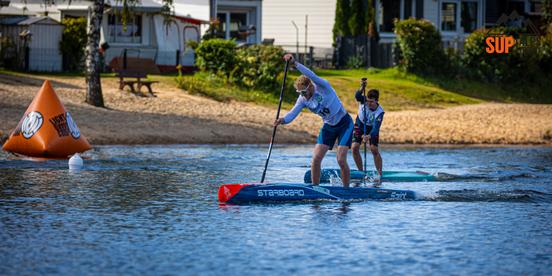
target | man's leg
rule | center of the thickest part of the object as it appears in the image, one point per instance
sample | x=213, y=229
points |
x=356, y=156
x=377, y=158
x=342, y=161
x=319, y=153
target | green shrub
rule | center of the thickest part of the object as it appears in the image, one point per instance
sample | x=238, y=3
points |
x=258, y=67
x=420, y=45
x=72, y=44
x=255, y=67
x=192, y=44
x=520, y=64
x=217, y=56
x=454, y=62
x=252, y=67
x=355, y=62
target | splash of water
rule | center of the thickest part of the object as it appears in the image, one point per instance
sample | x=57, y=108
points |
x=335, y=179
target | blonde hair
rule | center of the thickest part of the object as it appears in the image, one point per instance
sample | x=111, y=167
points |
x=302, y=82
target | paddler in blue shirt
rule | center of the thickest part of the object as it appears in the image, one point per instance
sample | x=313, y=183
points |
x=318, y=96
x=373, y=118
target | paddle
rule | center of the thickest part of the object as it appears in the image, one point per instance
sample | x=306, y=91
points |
x=363, y=87
x=277, y=116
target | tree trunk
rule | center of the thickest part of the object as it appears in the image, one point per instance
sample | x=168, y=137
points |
x=93, y=83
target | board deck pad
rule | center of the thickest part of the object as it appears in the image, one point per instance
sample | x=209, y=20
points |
x=327, y=175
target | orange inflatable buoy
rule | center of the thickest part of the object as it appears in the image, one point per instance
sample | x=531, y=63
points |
x=46, y=130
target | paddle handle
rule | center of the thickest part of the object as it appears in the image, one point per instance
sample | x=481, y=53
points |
x=276, y=126
x=363, y=88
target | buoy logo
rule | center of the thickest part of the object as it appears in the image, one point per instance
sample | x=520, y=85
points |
x=31, y=124
x=73, y=129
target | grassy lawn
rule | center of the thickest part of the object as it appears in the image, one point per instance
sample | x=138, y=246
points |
x=398, y=92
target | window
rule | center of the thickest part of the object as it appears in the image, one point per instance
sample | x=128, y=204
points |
x=536, y=7
x=517, y=6
x=448, y=17
x=232, y=25
x=388, y=12
x=469, y=16
x=238, y=23
x=221, y=28
x=408, y=12
x=119, y=34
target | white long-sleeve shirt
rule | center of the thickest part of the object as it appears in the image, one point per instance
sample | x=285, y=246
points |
x=323, y=102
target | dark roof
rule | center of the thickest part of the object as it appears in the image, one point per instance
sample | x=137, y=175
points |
x=13, y=20
x=28, y=20
x=39, y=19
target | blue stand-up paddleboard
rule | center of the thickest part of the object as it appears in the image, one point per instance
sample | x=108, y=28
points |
x=391, y=176
x=291, y=192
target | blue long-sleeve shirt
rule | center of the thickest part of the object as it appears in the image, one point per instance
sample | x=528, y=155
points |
x=323, y=102
x=374, y=117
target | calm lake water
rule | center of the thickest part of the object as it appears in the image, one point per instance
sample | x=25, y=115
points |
x=154, y=210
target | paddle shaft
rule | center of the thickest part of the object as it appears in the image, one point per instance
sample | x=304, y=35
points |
x=276, y=126
x=363, y=87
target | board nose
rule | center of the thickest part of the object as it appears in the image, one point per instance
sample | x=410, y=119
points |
x=227, y=191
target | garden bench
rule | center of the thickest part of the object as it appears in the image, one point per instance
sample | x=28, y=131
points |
x=134, y=75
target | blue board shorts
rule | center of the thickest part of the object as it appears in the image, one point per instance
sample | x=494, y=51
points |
x=341, y=132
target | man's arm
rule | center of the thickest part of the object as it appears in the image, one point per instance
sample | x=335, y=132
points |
x=311, y=75
x=291, y=115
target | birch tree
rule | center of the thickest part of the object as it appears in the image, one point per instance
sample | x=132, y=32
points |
x=92, y=56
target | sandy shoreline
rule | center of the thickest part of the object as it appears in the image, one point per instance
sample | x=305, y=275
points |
x=174, y=117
